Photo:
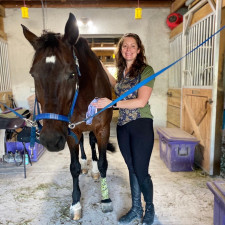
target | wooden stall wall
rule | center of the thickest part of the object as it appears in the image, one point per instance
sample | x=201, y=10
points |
x=173, y=107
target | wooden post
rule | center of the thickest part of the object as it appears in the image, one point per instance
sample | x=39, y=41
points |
x=2, y=14
x=2, y=11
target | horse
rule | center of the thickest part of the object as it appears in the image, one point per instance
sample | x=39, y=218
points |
x=62, y=65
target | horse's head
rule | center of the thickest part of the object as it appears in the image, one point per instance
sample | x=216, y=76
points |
x=55, y=77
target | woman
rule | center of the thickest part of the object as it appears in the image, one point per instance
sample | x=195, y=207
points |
x=135, y=125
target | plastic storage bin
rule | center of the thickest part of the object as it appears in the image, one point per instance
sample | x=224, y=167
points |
x=177, y=149
x=37, y=151
x=218, y=189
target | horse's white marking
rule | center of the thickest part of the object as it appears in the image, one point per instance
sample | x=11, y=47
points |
x=50, y=59
x=75, y=207
x=75, y=211
x=83, y=163
x=94, y=167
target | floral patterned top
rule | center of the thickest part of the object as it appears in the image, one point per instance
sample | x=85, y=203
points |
x=127, y=115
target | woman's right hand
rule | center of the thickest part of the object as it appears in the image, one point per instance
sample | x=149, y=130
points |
x=101, y=103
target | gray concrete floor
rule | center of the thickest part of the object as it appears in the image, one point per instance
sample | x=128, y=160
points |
x=44, y=197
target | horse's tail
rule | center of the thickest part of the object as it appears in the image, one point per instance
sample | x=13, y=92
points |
x=111, y=147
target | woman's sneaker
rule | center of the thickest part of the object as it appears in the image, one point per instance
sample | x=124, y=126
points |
x=9, y=157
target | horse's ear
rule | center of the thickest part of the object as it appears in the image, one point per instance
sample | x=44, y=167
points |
x=32, y=38
x=71, y=30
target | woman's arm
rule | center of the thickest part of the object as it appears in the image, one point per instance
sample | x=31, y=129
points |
x=144, y=93
x=112, y=80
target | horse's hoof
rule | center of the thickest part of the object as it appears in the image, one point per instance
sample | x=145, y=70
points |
x=84, y=171
x=107, y=207
x=75, y=211
x=95, y=176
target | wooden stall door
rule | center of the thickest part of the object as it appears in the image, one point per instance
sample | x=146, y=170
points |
x=196, y=120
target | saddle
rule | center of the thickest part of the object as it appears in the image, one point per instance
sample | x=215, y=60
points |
x=8, y=119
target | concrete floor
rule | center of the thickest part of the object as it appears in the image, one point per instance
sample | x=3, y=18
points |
x=44, y=197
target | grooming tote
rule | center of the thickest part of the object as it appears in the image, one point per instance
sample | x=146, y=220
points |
x=177, y=149
x=37, y=151
x=218, y=189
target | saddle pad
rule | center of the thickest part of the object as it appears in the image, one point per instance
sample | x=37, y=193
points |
x=8, y=114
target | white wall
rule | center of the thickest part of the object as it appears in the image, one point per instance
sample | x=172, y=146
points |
x=151, y=28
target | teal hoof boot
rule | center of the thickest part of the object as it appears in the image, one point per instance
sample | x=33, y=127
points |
x=132, y=217
x=149, y=215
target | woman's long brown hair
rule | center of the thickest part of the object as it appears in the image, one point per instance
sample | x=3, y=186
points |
x=139, y=63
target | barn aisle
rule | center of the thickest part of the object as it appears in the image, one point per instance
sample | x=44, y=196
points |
x=181, y=198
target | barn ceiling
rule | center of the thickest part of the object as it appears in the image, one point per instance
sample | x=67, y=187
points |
x=85, y=3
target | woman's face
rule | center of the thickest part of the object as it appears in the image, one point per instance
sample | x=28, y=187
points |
x=129, y=49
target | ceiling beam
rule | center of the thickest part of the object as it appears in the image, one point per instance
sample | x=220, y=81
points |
x=84, y=4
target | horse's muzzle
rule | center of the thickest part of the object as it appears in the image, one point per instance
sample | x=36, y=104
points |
x=53, y=141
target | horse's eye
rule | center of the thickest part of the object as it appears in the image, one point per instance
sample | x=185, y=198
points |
x=72, y=75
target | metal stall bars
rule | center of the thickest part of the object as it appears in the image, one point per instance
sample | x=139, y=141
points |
x=5, y=85
x=175, y=53
x=5, y=79
x=199, y=65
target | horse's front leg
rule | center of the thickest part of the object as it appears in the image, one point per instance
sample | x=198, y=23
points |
x=75, y=169
x=102, y=139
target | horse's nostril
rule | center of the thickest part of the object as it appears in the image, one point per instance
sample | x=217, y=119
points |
x=61, y=143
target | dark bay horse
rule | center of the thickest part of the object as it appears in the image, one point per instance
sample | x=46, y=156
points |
x=56, y=78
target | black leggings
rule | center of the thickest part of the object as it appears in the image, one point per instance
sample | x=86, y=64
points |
x=136, y=140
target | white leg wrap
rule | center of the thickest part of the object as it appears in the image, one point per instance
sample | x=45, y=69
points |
x=94, y=167
x=83, y=163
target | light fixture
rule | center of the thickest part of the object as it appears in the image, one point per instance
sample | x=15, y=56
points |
x=103, y=48
x=84, y=22
x=24, y=11
x=138, y=12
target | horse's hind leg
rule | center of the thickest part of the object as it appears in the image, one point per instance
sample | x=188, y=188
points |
x=102, y=139
x=83, y=161
x=75, y=169
x=92, y=141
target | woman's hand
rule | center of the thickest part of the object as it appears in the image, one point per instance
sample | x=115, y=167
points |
x=102, y=103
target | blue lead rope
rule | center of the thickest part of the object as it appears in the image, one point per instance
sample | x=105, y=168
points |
x=145, y=81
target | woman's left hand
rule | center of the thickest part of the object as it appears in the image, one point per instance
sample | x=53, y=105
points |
x=102, y=102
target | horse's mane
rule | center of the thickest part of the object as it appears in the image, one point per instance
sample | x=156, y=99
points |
x=51, y=40
x=48, y=40
x=83, y=46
